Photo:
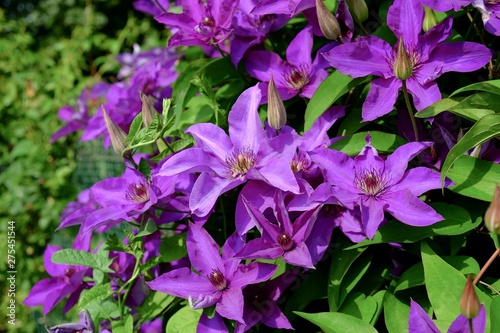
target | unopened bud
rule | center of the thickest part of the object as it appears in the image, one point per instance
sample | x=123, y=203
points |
x=328, y=23
x=148, y=109
x=358, y=10
x=276, y=114
x=403, y=66
x=116, y=134
x=469, y=303
x=492, y=216
x=430, y=19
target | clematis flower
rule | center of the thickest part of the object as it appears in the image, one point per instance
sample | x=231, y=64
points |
x=200, y=23
x=375, y=185
x=126, y=197
x=226, y=162
x=292, y=241
x=428, y=57
x=298, y=75
x=490, y=14
x=420, y=322
x=65, y=280
x=84, y=325
x=220, y=280
x=151, y=7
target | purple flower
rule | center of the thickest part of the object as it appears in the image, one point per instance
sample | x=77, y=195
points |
x=429, y=58
x=78, y=119
x=298, y=75
x=151, y=7
x=292, y=241
x=126, y=197
x=220, y=280
x=490, y=13
x=200, y=23
x=226, y=162
x=214, y=325
x=420, y=322
x=260, y=303
x=65, y=280
x=84, y=325
x=376, y=185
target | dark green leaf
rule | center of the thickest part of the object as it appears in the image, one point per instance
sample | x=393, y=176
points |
x=492, y=86
x=96, y=293
x=147, y=229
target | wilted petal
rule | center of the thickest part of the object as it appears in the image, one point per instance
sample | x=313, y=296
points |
x=362, y=57
x=381, y=98
x=409, y=209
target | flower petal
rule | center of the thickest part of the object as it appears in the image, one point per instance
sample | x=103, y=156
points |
x=419, y=180
x=409, y=209
x=461, y=324
x=423, y=94
x=461, y=56
x=211, y=139
x=372, y=215
x=203, y=252
x=397, y=163
x=299, y=256
x=230, y=305
x=419, y=321
x=192, y=160
x=252, y=273
x=381, y=98
x=405, y=20
x=362, y=57
x=259, y=248
x=300, y=48
x=214, y=325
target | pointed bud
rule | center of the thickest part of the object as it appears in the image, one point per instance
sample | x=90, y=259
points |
x=116, y=134
x=430, y=19
x=403, y=66
x=469, y=303
x=276, y=114
x=358, y=10
x=492, y=216
x=328, y=23
x=148, y=109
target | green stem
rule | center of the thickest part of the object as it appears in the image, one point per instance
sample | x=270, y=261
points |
x=410, y=111
x=490, y=66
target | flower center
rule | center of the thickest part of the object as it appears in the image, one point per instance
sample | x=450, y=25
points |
x=297, y=77
x=333, y=210
x=285, y=241
x=137, y=193
x=218, y=280
x=300, y=162
x=371, y=182
x=206, y=28
x=239, y=163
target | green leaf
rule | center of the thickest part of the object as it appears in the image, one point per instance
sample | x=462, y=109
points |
x=331, y=89
x=456, y=221
x=444, y=286
x=82, y=258
x=360, y=306
x=173, y=248
x=154, y=304
x=492, y=86
x=96, y=293
x=184, y=321
x=495, y=318
x=395, y=314
x=473, y=107
x=383, y=142
x=134, y=128
x=474, y=177
x=485, y=129
x=124, y=325
x=342, y=260
x=147, y=229
x=336, y=322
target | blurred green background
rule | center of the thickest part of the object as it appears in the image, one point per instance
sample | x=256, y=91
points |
x=49, y=51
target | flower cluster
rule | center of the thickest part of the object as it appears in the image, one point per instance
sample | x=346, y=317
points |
x=291, y=191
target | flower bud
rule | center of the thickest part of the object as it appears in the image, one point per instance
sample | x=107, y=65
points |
x=492, y=216
x=430, y=19
x=116, y=134
x=276, y=114
x=148, y=109
x=328, y=23
x=358, y=10
x=469, y=303
x=403, y=66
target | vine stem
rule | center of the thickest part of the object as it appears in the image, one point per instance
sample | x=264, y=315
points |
x=485, y=267
x=410, y=111
x=471, y=19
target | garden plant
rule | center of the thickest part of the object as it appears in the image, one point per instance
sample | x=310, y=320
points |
x=290, y=165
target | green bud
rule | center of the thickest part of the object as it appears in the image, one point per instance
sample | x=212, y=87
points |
x=116, y=134
x=358, y=9
x=430, y=19
x=492, y=216
x=328, y=23
x=276, y=114
x=403, y=66
x=469, y=303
